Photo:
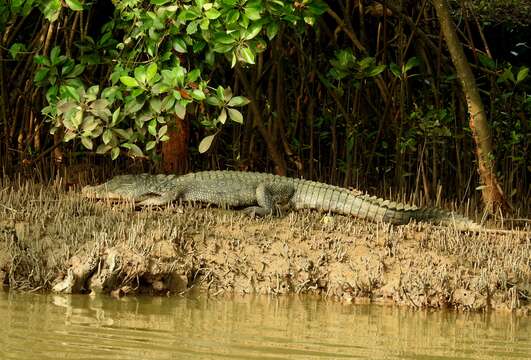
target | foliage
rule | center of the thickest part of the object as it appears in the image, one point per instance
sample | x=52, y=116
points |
x=152, y=45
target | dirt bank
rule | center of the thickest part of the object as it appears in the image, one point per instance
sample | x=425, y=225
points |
x=55, y=240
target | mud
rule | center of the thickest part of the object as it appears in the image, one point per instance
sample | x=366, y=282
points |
x=54, y=240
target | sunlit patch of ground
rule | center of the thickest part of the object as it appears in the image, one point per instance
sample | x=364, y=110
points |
x=56, y=240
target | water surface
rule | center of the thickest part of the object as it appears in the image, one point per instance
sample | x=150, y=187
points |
x=81, y=327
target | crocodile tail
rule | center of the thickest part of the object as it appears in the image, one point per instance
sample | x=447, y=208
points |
x=446, y=218
x=377, y=209
x=313, y=195
x=371, y=208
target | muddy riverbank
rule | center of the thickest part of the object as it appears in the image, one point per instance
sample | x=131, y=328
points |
x=54, y=240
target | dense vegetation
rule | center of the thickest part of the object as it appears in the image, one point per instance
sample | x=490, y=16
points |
x=354, y=92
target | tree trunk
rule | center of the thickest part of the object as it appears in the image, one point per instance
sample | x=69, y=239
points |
x=493, y=197
x=175, y=150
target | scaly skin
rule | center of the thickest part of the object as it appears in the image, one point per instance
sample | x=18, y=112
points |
x=259, y=193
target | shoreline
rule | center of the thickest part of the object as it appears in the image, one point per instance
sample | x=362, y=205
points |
x=55, y=240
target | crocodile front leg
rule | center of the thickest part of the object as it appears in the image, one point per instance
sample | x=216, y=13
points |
x=269, y=195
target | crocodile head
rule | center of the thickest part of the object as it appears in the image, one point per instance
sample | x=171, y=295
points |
x=136, y=188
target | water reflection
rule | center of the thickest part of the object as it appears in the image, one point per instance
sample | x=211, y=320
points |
x=81, y=327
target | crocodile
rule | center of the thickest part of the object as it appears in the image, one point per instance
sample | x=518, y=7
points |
x=261, y=193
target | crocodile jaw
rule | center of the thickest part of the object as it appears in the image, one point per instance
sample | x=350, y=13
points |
x=103, y=192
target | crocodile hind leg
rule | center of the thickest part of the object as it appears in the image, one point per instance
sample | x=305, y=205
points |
x=269, y=195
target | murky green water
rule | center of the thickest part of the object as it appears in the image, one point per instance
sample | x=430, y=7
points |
x=79, y=327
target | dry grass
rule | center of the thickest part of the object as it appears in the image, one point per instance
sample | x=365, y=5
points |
x=54, y=239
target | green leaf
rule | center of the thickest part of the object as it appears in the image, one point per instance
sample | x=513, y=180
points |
x=107, y=136
x=180, y=110
x=159, y=88
x=151, y=72
x=134, y=150
x=89, y=124
x=253, y=30
x=179, y=45
x=68, y=125
x=140, y=74
x=100, y=105
x=69, y=91
x=150, y=145
x=203, y=24
x=411, y=63
x=168, y=102
x=124, y=134
x=317, y=7
x=272, y=30
x=188, y=14
x=522, y=74
x=78, y=69
x=191, y=28
x=220, y=92
x=253, y=12
x=508, y=74
x=69, y=135
x=310, y=20
x=87, y=142
x=74, y=5
x=103, y=148
x=42, y=60
x=395, y=70
x=366, y=63
x=65, y=106
x=226, y=93
x=115, y=117
x=133, y=106
x=179, y=75
x=51, y=94
x=41, y=74
x=238, y=101
x=77, y=119
x=198, y=46
x=212, y=13
x=15, y=49
x=247, y=55
x=223, y=38
x=129, y=81
x=198, y=94
x=244, y=21
x=55, y=55
x=205, y=144
x=159, y=2
x=222, y=118
x=155, y=104
x=487, y=61
x=235, y=116
x=152, y=127
x=232, y=16
x=162, y=131
x=115, y=152
x=193, y=75
x=51, y=9
x=214, y=101
x=375, y=71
